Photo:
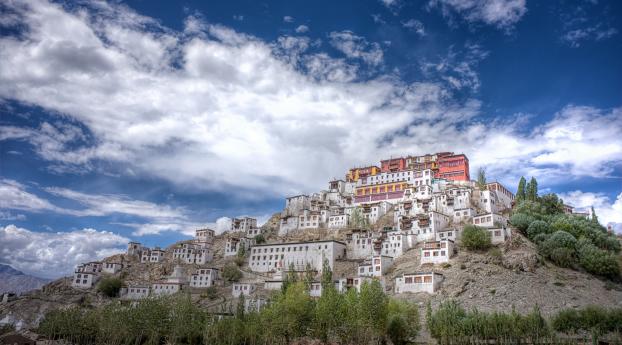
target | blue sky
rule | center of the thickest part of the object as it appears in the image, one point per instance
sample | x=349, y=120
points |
x=144, y=120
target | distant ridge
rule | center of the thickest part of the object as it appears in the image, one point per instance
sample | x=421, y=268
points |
x=12, y=280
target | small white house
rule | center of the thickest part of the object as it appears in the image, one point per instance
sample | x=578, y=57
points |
x=84, y=280
x=377, y=266
x=242, y=289
x=500, y=235
x=171, y=284
x=134, y=248
x=204, y=278
x=254, y=304
x=315, y=289
x=157, y=255
x=234, y=244
x=490, y=220
x=338, y=221
x=428, y=282
x=449, y=234
x=345, y=284
x=112, y=267
x=437, y=252
x=204, y=237
x=273, y=284
x=135, y=292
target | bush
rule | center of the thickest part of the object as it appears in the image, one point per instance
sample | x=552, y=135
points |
x=560, y=248
x=211, y=292
x=539, y=238
x=521, y=221
x=259, y=239
x=231, y=273
x=403, y=321
x=110, y=286
x=537, y=227
x=597, y=261
x=475, y=238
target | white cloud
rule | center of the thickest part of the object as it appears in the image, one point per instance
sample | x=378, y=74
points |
x=288, y=19
x=415, y=25
x=52, y=255
x=356, y=47
x=503, y=14
x=576, y=37
x=608, y=213
x=458, y=68
x=216, y=109
x=302, y=29
x=238, y=17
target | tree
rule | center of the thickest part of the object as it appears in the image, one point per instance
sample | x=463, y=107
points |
x=475, y=238
x=537, y=227
x=521, y=221
x=594, y=216
x=373, y=305
x=481, y=178
x=309, y=276
x=402, y=321
x=110, y=286
x=357, y=220
x=532, y=190
x=259, y=239
x=520, y=193
x=231, y=273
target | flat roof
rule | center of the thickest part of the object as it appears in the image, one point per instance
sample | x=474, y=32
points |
x=290, y=243
x=420, y=273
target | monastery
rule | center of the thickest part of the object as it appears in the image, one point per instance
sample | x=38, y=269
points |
x=422, y=202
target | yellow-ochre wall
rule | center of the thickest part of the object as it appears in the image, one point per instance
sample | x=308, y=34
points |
x=354, y=174
x=375, y=189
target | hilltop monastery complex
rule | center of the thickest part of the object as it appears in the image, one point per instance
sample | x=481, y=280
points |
x=369, y=219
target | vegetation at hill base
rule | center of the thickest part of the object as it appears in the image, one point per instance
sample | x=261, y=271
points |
x=567, y=240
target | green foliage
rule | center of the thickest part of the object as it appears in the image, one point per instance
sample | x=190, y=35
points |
x=521, y=221
x=593, y=319
x=475, y=238
x=402, y=322
x=536, y=227
x=543, y=221
x=450, y=323
x=481, y=178
x=532, y=190
x=357, y=220
x=259, y=239
x=597, y=261
x=110, y=286
x=231, y=272
x=520, y=192
x=211, y=292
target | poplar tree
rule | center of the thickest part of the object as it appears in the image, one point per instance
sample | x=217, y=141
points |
x=520, y=193
x=481, y=178
x=594, y=216
x=532, y=190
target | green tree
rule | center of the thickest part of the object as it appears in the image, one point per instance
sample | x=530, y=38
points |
x=475, y=238
x=481, y=178
x=521, y=221
x=532, y=189
x=110, y=286
x=357, y=220
x=373, y=309
x=259, y=239
x=537, y=227
x=594, y=216
x=231, y=272
x=402, y=321
x=520, y=192
x=597, y=261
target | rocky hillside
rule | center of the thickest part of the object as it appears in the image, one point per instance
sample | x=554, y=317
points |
x=12, y=280
x=509, y=275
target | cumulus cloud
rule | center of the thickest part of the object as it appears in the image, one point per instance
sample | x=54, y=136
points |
x=302, y=29
x=288, y=19
x=415, y=26
x=52, y=255
x=214, y=109
x=356, y=47
x=503, y=14
x=608, y=213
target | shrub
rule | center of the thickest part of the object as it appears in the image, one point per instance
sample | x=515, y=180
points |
x=211, y=292
x=403, y=321
x=539, y=238
x=231, y=272
x=537, y=227
x=597, y=261
x=475, y=238
x=560, y=248
x=259, y=239
x=521, y=221
x=496, y=255
x=110, y=286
